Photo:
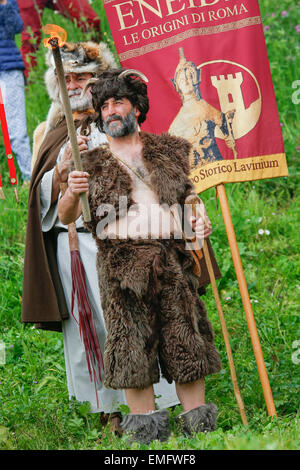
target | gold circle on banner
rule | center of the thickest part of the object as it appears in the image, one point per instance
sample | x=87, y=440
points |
x=13, y=180
x=244, y=119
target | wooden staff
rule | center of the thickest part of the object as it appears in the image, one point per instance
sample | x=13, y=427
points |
x=194, y=201
x=246, y=300
x=54, y=42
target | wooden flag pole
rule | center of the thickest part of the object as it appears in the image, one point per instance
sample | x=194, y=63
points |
x=194, y=202
x=225, y=334
x=246, y=300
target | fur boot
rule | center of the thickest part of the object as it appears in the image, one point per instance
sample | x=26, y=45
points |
x=147, y=427
x=201, y=419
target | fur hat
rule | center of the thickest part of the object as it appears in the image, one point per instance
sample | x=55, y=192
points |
x=120, y=83
x=79, y=57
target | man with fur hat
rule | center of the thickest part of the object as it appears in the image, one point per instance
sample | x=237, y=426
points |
x=149, y=292
x=47, y=284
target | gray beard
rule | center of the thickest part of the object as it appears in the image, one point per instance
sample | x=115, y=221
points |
x=80, y=104
x=77, y=103
x=128, y=126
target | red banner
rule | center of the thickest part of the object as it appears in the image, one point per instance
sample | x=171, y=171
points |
x=209, y=81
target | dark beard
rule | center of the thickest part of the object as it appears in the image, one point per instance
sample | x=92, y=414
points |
x=128, y=125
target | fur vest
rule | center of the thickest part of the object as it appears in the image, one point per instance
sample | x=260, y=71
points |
x=166, y=159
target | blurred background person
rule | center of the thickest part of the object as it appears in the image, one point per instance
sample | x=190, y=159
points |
x=12, y=84
x=78, y=11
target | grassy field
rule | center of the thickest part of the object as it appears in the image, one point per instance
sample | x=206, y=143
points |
x=35, y=412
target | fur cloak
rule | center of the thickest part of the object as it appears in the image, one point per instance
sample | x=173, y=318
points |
x=43, y=300
x=149, y=293
x=166, y=159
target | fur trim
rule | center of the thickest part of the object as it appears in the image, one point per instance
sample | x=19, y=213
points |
x=165, y=158
x=147, y=427
x=77, y=57
x=200, y=419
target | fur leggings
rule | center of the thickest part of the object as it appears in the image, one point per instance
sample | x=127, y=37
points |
x=153, y=314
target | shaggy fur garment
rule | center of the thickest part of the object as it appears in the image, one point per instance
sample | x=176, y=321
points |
x=153, y=313
x=149, y=293
x=200, y=419
x=145, y=428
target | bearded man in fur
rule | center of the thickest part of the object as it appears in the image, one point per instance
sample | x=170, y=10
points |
x=150, y=295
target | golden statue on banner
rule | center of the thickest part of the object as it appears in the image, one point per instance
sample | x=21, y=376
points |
x=197, y=121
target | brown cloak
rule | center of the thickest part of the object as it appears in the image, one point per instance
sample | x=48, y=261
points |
x=43, y=299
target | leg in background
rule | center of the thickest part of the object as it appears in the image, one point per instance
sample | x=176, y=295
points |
x=12, y=86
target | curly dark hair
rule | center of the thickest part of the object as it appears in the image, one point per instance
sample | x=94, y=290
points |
x=109, y=85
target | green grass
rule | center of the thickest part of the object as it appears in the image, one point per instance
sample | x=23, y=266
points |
x=35, y=412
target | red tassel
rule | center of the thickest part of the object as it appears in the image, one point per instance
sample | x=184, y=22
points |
x=86, y=324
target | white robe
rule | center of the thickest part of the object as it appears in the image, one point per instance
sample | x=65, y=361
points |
x=78, y=379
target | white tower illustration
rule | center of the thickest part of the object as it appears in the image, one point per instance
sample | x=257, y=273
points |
x=230, y=94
